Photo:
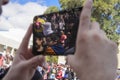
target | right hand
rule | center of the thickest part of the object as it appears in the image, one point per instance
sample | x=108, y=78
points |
x=96, y=56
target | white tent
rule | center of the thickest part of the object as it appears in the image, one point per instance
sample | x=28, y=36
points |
x=8, y=42
x=12, y=37
x=61, y=60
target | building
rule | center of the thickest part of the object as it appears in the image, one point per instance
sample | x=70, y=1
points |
x=11, y=39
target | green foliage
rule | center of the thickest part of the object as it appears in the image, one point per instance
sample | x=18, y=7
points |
x=52, y=9
x=105, y=7
x=67, y=4
x=110, y=31
x=102, y=9
x=53, y=59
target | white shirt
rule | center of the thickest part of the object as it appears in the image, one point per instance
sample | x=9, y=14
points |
x=47, y=28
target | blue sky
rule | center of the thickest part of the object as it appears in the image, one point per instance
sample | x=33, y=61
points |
x=18, y=15
x=42, y=2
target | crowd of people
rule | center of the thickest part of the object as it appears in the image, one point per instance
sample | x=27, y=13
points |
x=95, y=57
x=6, y=59
x=57, y=30
x=57, y=72
x=50, y=71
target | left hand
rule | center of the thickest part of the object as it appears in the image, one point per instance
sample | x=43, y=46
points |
x=24, y=63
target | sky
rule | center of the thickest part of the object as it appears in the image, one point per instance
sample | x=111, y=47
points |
x=42, y=2
x=18, y=15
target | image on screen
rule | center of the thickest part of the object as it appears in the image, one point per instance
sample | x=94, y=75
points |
x=55, y=33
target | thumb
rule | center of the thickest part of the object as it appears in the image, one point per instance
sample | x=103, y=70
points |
x=35, y=61
x=70, y=60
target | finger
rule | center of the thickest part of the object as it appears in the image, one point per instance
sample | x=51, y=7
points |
x=85, y=16
x=45, y=65
x=29, y=54
x=25, y=41
x=95, y=26
x=104, y=35
x=103, y=32
x=35, y=61
x=70, y=61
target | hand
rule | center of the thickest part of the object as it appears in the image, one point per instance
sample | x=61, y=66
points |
x=24, y=63
x=96, y=56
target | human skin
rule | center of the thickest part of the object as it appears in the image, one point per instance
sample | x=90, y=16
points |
x=24, y=63
x=96, y=56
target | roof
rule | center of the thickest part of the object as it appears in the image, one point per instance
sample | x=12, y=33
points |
x=12, y=37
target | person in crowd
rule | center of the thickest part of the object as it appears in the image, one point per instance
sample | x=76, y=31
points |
x=63, y=38
x=1, y=60
x=8, y=58
x=61, y=23
x=53, y=45
x=68, y=75
x=53, y=74
x=72, y=74
x=63, y=71
x=39, y=46
x=40, y=69
x=95, y=55
x=37, y=76
x=59, y=73
x=47, y=29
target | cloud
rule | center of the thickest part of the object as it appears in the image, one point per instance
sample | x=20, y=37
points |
x=12, y=38
x=16, y=15
x=4, y=24
x=16, y=18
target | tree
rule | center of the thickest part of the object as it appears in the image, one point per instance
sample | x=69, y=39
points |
x=67, y=4
x=51, y=9
x=103, y=11
x=53, y=59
